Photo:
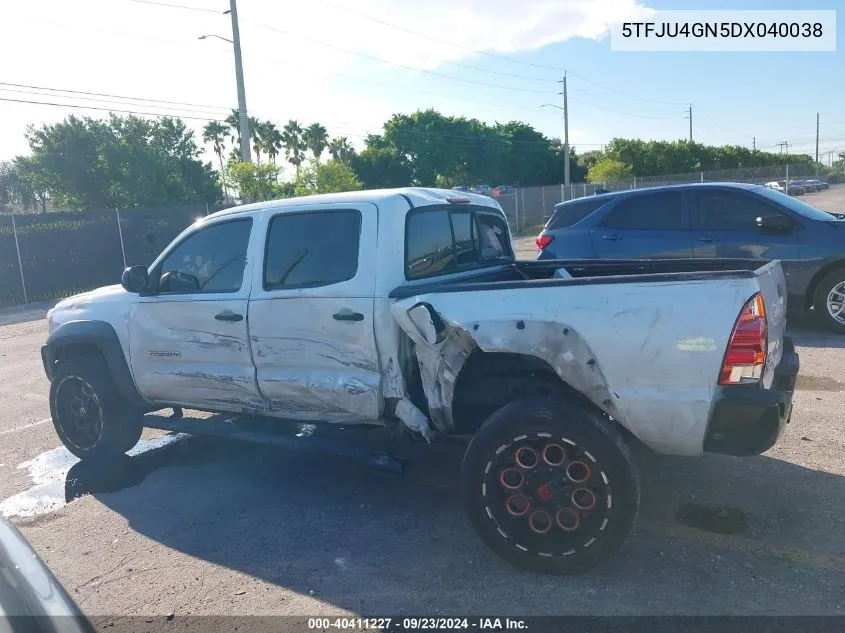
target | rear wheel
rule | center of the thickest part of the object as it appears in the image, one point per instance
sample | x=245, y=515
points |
x=829, y=300
x=90, y=418
x=550, y=486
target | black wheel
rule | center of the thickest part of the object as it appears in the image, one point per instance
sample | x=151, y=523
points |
x=89, y=417
x=829, y=301
x=550, y=486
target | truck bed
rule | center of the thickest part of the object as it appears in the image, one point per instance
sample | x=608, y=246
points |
x=540, y=273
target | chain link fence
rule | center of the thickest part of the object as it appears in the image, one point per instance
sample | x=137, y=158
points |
x=46, y=256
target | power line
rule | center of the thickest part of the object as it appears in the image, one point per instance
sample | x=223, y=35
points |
x=105, y=94
x=406, y=66
x=82, y=107
x=438, y=40
x=178, y=6
x=492, y=55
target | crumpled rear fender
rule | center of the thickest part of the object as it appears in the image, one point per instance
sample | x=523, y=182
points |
x=444, y=344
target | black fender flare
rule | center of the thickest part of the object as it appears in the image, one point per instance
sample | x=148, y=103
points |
x=98, y=334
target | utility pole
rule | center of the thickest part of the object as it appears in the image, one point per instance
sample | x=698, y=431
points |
x=690, y=123
x=239, y=74
x=817, y=137
x=784, y=144
x=754, y=144
x=565, y=134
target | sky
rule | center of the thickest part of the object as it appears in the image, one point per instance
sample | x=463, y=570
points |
x=351, y=64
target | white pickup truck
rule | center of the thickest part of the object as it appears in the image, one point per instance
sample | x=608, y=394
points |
x=407, y=307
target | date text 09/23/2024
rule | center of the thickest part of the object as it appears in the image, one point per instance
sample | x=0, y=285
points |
x=417, y=624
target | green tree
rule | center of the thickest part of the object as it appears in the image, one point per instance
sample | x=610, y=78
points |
x=316, y=139
x=332, y=176
x=382, y=167
x=215, y=133
x=609, y=170
x=254, y=182
x=341, y=149
x=292, y=138
x=118, y=162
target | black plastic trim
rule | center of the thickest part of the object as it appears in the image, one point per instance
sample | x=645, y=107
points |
x=98, y=334
x=748, y=419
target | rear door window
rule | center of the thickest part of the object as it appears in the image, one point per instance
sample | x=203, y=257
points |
x=569, y=213
x=312, y=249
x=651, y=212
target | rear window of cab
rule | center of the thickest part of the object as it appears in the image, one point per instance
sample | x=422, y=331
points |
x=441, y=241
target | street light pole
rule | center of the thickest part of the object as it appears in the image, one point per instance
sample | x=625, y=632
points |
x=565, y=135
x=239, y=74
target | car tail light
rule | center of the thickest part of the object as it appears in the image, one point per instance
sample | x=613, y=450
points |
x=746, y=353
x=543, y=240
x=458, y=200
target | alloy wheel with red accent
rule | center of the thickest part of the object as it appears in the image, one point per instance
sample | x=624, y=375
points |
x=550, y=485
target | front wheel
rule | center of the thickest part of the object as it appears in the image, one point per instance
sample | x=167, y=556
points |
x=550, y=486
x=89, y=416
x=829, y=300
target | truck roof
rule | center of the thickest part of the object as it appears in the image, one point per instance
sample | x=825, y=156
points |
x=415, y=196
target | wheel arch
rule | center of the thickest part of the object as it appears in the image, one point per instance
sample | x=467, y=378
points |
x=810, y=295
x=490, y=380
x=76, y=338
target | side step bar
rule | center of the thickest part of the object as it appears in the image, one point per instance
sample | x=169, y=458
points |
x=233, y=431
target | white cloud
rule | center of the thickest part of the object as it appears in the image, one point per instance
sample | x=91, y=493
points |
x=298, y=54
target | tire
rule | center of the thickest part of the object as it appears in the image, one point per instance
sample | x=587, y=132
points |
x=829, y=288
x=580, y=535
x=90, y=418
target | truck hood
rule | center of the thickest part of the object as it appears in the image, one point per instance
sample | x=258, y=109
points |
x=106, y=293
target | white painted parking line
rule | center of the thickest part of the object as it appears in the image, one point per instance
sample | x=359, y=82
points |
x=25, y=426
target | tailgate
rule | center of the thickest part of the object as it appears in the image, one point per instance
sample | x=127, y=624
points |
x=773, y=287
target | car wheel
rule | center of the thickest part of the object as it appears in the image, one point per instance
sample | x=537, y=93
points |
x=550, y=486
x=90, y=418
x=829, y=301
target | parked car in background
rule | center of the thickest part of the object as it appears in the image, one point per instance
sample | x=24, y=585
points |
x=777, y=186
x=503, y=190
x=724, y=220
x=815, y=185
x=484, y=190
x=462, y=188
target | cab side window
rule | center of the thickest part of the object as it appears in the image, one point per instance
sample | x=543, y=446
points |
x=211, y=260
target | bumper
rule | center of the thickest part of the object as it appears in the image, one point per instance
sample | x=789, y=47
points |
x=748, y=420
x=47, y=362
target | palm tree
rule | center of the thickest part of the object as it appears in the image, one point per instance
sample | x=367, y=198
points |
x=294, y=144
x=255, y=137
x=271, y=140
x=341, y=149
x=316, y=139
x=216, y=132
x=234, y=123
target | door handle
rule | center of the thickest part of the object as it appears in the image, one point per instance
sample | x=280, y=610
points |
x=612, y=237
x=709, y=240
x=229, y=316
x=348, y=316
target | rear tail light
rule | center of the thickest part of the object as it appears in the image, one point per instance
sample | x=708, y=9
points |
x=543, y=240
x=746, y=353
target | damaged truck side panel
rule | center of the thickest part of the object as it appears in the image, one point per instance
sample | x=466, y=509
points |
x=623, y=370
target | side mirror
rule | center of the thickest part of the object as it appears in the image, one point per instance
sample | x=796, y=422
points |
x=776, y=224
x=134, y=279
